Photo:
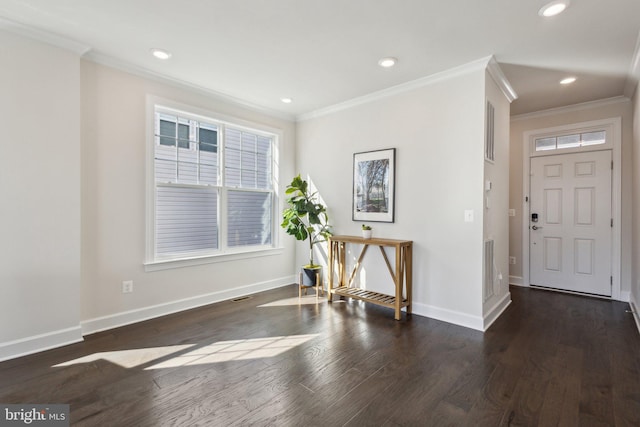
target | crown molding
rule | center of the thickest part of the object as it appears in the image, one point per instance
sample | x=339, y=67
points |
x=130, y=68
x=634, y=72
x=479, y=64
x=86, y=52
x=501, y=80
x=79, y=49
x=571, y=108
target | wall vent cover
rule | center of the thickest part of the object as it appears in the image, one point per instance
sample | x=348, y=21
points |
x=489, y=274
x=489, y=140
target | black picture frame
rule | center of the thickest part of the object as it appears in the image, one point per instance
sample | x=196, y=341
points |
x=373, y=196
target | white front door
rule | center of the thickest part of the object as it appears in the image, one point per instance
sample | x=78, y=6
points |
x=570, y=220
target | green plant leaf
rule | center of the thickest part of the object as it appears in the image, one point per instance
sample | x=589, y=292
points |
x=313, y=218
x=304, y=217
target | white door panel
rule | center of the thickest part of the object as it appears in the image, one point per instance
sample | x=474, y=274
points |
x=570, y=244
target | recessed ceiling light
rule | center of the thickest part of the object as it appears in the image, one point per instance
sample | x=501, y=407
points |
x=387, y=62
x=553, y=8
x=160, y=53
x=286, y=100
x=567, y=81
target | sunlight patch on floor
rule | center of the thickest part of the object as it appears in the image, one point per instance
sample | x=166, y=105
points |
x=225, y=351
x=129, y=358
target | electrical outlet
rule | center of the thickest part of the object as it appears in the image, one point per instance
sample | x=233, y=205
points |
x=512, y=212
x=512, y=260
x=127, y=286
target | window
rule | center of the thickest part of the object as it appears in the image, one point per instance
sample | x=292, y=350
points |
x=213, y=184
x=570, y=141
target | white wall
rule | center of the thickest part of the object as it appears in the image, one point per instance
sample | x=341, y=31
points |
x=582, y=113
x=72, y=181
x=113, y=207
x=40, y=192
x=438, y=131
x=496, y=219
x=635, y=259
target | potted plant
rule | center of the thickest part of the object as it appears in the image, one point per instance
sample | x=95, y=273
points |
x=306, y=219
x=366, y=231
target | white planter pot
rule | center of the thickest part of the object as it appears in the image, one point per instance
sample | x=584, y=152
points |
x=366, y=234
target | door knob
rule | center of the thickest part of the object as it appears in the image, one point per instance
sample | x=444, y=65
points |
x=535, y=227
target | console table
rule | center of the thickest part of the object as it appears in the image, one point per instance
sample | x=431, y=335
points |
x=401, y=275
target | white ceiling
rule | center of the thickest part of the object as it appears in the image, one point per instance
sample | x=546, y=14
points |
x=321, y=53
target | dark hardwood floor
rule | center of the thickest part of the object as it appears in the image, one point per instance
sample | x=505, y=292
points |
x=550, y=360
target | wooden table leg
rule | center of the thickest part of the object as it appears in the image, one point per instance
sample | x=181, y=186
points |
x=409, y=278
x=331, y=266
x=398, y=282
x=341, y=263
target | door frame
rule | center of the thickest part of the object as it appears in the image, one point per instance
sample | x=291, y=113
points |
x=613, y=127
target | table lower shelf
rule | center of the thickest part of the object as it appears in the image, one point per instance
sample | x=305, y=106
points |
x=369, y=296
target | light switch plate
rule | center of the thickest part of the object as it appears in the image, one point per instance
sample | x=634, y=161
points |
x=468, y=215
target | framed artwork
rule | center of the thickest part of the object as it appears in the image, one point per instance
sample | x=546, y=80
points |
x=374, y=185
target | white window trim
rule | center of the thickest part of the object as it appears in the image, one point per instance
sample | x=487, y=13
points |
x=152, y=263
x=613, y=128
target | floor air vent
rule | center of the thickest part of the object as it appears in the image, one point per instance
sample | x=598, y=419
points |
x=240, y=299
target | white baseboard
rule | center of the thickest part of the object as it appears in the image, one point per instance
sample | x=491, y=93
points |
x=463, y=319
x=116, y=320
x=516, y=280
x=625, y=296
x=37, y=343
x=497, y=310
x=449, y=316
x=634, y=308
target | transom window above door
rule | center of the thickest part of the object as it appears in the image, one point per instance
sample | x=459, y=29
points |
x=575, y=140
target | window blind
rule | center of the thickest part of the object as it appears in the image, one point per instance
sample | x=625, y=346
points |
x=186, y=219
x=249, y=218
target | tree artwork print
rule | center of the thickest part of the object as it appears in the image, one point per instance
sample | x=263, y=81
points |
x=373, y=185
